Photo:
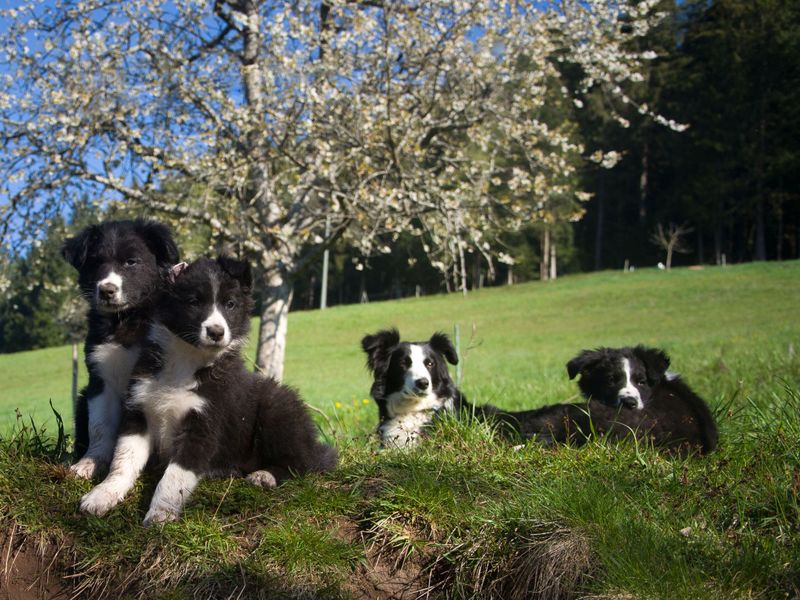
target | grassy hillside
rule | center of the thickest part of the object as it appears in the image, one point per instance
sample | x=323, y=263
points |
x=464, y=515
x=515, y=341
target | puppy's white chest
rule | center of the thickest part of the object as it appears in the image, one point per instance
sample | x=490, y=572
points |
x=115, y=363
x=403, y=432
x=166, y=399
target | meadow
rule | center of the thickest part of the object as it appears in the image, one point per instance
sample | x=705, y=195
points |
x=466, y=515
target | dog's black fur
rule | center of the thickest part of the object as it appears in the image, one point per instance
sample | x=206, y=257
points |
x=195, y=407
x=139, y=252
x=672, y=416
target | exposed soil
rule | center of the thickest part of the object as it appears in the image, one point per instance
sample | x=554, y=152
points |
x=32, y=569
x=550, y=567
x=383, y=576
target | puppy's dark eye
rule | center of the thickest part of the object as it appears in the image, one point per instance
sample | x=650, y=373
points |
x=427, y=362
x=230, y=304
x=131, y=262
x=193, y=301
x=406, y=362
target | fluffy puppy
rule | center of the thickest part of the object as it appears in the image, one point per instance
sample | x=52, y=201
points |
x=648, y=399
x=122, y=267
x=411, y=384
x=195, y=408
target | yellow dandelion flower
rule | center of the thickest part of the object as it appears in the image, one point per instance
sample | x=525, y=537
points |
x=337, y=404
x=365, y=401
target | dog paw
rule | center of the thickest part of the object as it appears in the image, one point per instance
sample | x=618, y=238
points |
x=263, y=479
x=85, y=468
x=159, y=515
x=100, y=500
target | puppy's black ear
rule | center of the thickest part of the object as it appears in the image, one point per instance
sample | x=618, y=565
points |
x=76, y=248
x=656, y=362
x=378, y=347
x=238, y=269
x=158, y=238
x=583, y=362
x=442, y=344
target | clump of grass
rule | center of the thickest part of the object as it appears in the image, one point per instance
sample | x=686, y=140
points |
x=464, y=515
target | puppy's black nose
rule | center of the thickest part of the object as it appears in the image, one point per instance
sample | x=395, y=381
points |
x=628, y=401
x=107, y=290
x=421, y=384
x=215, y=332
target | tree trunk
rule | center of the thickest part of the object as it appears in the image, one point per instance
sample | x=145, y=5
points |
x=273, y=327
x=74, y=374
x=544, y=265
x=477, y=276
x=463, y=264
x=553, y=261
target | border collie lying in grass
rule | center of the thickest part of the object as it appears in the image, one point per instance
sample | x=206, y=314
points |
x=194, y=406
x=122, y=268
x=627, y=390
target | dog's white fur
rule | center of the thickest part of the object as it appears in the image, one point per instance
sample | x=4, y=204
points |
x=629, y=390
x=118, y=299
x=411, y=408
x=130, y=457
x=114, y=363
x=174, y=488
x=215, y=318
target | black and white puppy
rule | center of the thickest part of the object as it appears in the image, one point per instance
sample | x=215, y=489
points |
x=122, y=267
x=193, y=405
x=653, y=402
x=412, y=386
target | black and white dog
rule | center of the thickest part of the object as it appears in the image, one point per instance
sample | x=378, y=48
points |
x=411, y=384
x=122, y=267
x=627, y=390
x=193, y=405
x=649, y=400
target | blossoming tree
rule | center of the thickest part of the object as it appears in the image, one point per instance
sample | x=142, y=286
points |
x=379, y=117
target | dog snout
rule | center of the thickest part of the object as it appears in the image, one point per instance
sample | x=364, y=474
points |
x=422, y=383
x=629, y=401
x=215, y=332
x=107, y=290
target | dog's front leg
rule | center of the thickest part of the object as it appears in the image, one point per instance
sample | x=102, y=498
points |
x=130, y=456
x=172, y=492
x=185, y=469
x=104, y=417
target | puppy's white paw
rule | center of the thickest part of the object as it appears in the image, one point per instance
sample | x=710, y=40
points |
x=160, y=514
x=100, y=500
x=85, y=468
x=263, y=479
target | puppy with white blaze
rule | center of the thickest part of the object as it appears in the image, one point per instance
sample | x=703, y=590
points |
x=122, y=267
x=194, y=407
x=411, y=384
x=628, y=392
x=650, y=400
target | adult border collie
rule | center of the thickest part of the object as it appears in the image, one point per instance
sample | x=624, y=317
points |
x=122, y=267
x=194, y=406
x=412, y=386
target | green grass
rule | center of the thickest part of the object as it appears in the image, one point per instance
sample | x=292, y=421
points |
x=514, y=341
x=470, y=515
